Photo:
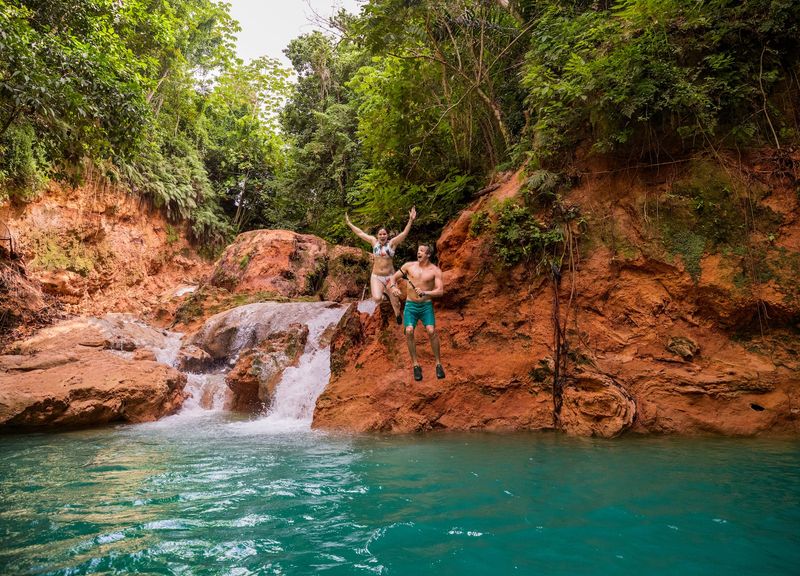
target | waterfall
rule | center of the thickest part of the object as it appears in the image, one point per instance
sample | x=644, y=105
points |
x=172, y=345
x=206, y=392
x=296, y=394
x=300, y=386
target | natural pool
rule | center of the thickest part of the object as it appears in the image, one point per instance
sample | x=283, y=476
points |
x=211, y=494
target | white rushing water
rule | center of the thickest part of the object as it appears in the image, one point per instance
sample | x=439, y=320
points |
x=368, y=306
x=207, y=392
x=296, y=394
x=172, y=345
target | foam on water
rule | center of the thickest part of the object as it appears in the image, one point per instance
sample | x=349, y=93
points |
x=169, y=354
x=207, y=392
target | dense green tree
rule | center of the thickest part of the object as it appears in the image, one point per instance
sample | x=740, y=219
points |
x=243, y=152
x=464, y=56
x=146, y=92
x=654, y=74
x=320, y=121
x=66, y=75
x=414, y=102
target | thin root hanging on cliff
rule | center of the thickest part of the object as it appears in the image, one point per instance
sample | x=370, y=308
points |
x=561, y=347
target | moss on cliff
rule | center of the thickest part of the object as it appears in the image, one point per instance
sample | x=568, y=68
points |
x=72, y=251
x=709, y=211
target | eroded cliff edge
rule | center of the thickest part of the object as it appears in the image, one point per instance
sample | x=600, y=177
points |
x=678, y=305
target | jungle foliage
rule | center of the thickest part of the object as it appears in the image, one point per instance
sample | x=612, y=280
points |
x=147, y=94
x=409, y=102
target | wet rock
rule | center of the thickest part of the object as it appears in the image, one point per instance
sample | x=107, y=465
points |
x=348, y=273
x=68, y=376
x=121, y=332
x=91, y=387
x=227, y=334
x=596, y=405
x=259, y=370
x=259, y=341
x=192, y=358
x=144, y=354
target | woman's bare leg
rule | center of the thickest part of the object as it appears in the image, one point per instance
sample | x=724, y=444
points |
x=395, y=301
x=377, y=288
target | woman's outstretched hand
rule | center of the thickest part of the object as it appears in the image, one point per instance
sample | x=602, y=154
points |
x=412, y=214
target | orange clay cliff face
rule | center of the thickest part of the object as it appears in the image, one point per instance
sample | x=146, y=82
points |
x=679, y=306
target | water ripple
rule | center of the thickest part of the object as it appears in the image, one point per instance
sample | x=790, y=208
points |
x=163, y=500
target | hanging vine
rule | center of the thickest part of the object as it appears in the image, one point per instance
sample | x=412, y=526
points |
x=567, y=217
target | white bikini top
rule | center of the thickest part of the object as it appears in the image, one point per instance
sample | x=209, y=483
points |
x=383, y=250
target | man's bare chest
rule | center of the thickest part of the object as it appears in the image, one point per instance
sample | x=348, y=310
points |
x=421, y=276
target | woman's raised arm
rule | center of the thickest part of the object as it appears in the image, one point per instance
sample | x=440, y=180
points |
x=412, y=215
x=371, y=240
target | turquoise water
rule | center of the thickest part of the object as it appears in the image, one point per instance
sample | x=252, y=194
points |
x=216, y=496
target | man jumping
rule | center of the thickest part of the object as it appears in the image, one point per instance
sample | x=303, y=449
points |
x=425, y=282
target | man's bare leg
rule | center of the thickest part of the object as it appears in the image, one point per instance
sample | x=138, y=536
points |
x=412, y=347
x=433, y=336
x=412, y=350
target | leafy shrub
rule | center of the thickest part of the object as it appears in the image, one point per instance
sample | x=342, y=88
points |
x=541, y=187
x=519, y=237
x=650, y=71
x=479, y=222
x=385, y=200
x=23, y=167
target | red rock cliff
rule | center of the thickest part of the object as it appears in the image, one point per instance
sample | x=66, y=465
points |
x=658, y=341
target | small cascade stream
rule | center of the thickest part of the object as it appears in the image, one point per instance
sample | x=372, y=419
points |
x=293, y=403
x=206, y=392
x=300, y=386
x=172, y=346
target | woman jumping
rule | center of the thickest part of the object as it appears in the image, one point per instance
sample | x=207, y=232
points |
x=382, y=267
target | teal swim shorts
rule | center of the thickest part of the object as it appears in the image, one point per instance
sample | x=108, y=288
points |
x=415, y=311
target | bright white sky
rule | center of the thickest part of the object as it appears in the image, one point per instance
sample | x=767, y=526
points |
x=269, y=25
